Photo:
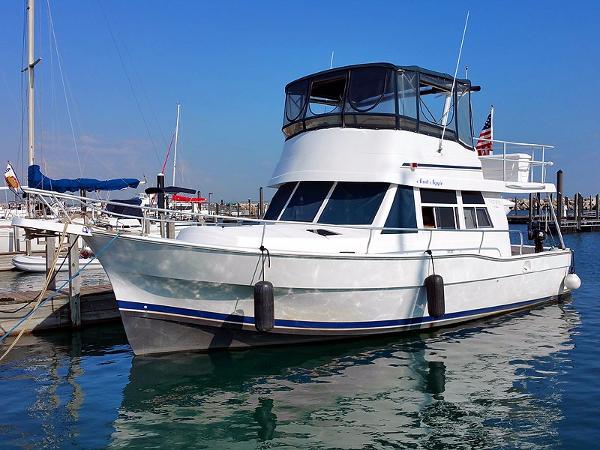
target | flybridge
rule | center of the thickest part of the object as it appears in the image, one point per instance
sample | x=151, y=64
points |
x=381, y=96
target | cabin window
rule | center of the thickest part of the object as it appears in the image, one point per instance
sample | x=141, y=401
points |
x=402, y=213
x=428, y=216
x=472, y=198
x=475, y=216
x=353, y=203
x=483, y=218
x=306, y=201
x=438, y=196
x=438, y=209
x=279, y=200
x=444, y=217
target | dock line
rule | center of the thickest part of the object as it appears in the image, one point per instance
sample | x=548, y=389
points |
x=45, y=288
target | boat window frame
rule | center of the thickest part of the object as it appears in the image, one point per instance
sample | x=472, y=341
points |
x=474, y=206
x=436, y=206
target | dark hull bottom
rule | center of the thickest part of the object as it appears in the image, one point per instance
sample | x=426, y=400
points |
x=149, y=334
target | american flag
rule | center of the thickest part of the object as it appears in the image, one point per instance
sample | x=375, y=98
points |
x=484, y=144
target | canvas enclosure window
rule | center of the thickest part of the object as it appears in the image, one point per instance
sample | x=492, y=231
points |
x=436, y=106
x=325, y=102
x=370, y=100
x=407, y=100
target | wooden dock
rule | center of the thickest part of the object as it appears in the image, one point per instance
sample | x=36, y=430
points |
x=97, y=305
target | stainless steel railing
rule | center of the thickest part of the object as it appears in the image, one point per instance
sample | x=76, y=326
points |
x=502, y=151
x=96, y=215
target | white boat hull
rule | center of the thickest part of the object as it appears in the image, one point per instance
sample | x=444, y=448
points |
x=38, y=263
x=177, y=296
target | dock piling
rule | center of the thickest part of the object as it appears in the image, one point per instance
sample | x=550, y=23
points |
x=74, y=283
x=260, y=203
x=559, y=194
x=50, y=250
x=578, y=210
x=597, y=206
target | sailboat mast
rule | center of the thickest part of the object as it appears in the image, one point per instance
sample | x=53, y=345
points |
x=30, y=85
x=175, y=143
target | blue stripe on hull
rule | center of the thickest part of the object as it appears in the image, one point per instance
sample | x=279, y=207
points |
x=143, y=307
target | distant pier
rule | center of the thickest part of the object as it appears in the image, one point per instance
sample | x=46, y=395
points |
x=576, y=214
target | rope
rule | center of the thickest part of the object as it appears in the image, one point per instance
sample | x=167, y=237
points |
x=42, y=301
x=25, y=305
x=64, y=86
x=430, y=253
x=264, y=249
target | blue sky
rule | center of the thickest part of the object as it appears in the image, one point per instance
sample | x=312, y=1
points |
x=127, y=63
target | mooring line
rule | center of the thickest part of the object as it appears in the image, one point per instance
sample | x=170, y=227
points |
x=45, y=289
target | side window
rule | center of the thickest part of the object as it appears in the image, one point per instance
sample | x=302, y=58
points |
x=439, y=209
x=306, y=201
x=402, y=213
x=279, y=200
x=476, y=215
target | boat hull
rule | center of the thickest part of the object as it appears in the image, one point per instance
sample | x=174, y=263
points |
x=27, y=263
x=176, y=296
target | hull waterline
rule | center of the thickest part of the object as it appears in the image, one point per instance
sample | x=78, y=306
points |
x=198, y=299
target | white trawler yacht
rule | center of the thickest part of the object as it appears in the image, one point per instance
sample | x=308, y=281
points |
x=385, y=220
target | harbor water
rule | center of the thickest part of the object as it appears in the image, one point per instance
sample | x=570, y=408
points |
x=527, y=380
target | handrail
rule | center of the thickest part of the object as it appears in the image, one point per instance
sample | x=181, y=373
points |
x=162, y=217
x=532, y=163
x=524, y=144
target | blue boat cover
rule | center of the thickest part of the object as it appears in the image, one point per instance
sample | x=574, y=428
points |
x=37, y=180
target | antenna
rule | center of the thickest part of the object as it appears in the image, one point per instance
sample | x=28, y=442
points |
x=331, y=61
x=175, y=149
x=449, y=99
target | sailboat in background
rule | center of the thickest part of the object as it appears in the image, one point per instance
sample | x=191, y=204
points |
x=35, y=177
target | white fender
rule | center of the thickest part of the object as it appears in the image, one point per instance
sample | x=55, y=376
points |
x=572, y=281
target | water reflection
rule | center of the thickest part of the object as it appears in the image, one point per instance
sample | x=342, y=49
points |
x=59, y=390
x=489, y=385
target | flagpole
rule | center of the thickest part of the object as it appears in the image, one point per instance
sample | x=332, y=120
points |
x=492, y=124
x=176, y=138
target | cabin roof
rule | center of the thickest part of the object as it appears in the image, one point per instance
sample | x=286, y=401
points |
x=386, y=65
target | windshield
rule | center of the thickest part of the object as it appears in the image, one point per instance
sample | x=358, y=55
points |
x=306, y=201
x=353, y=203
